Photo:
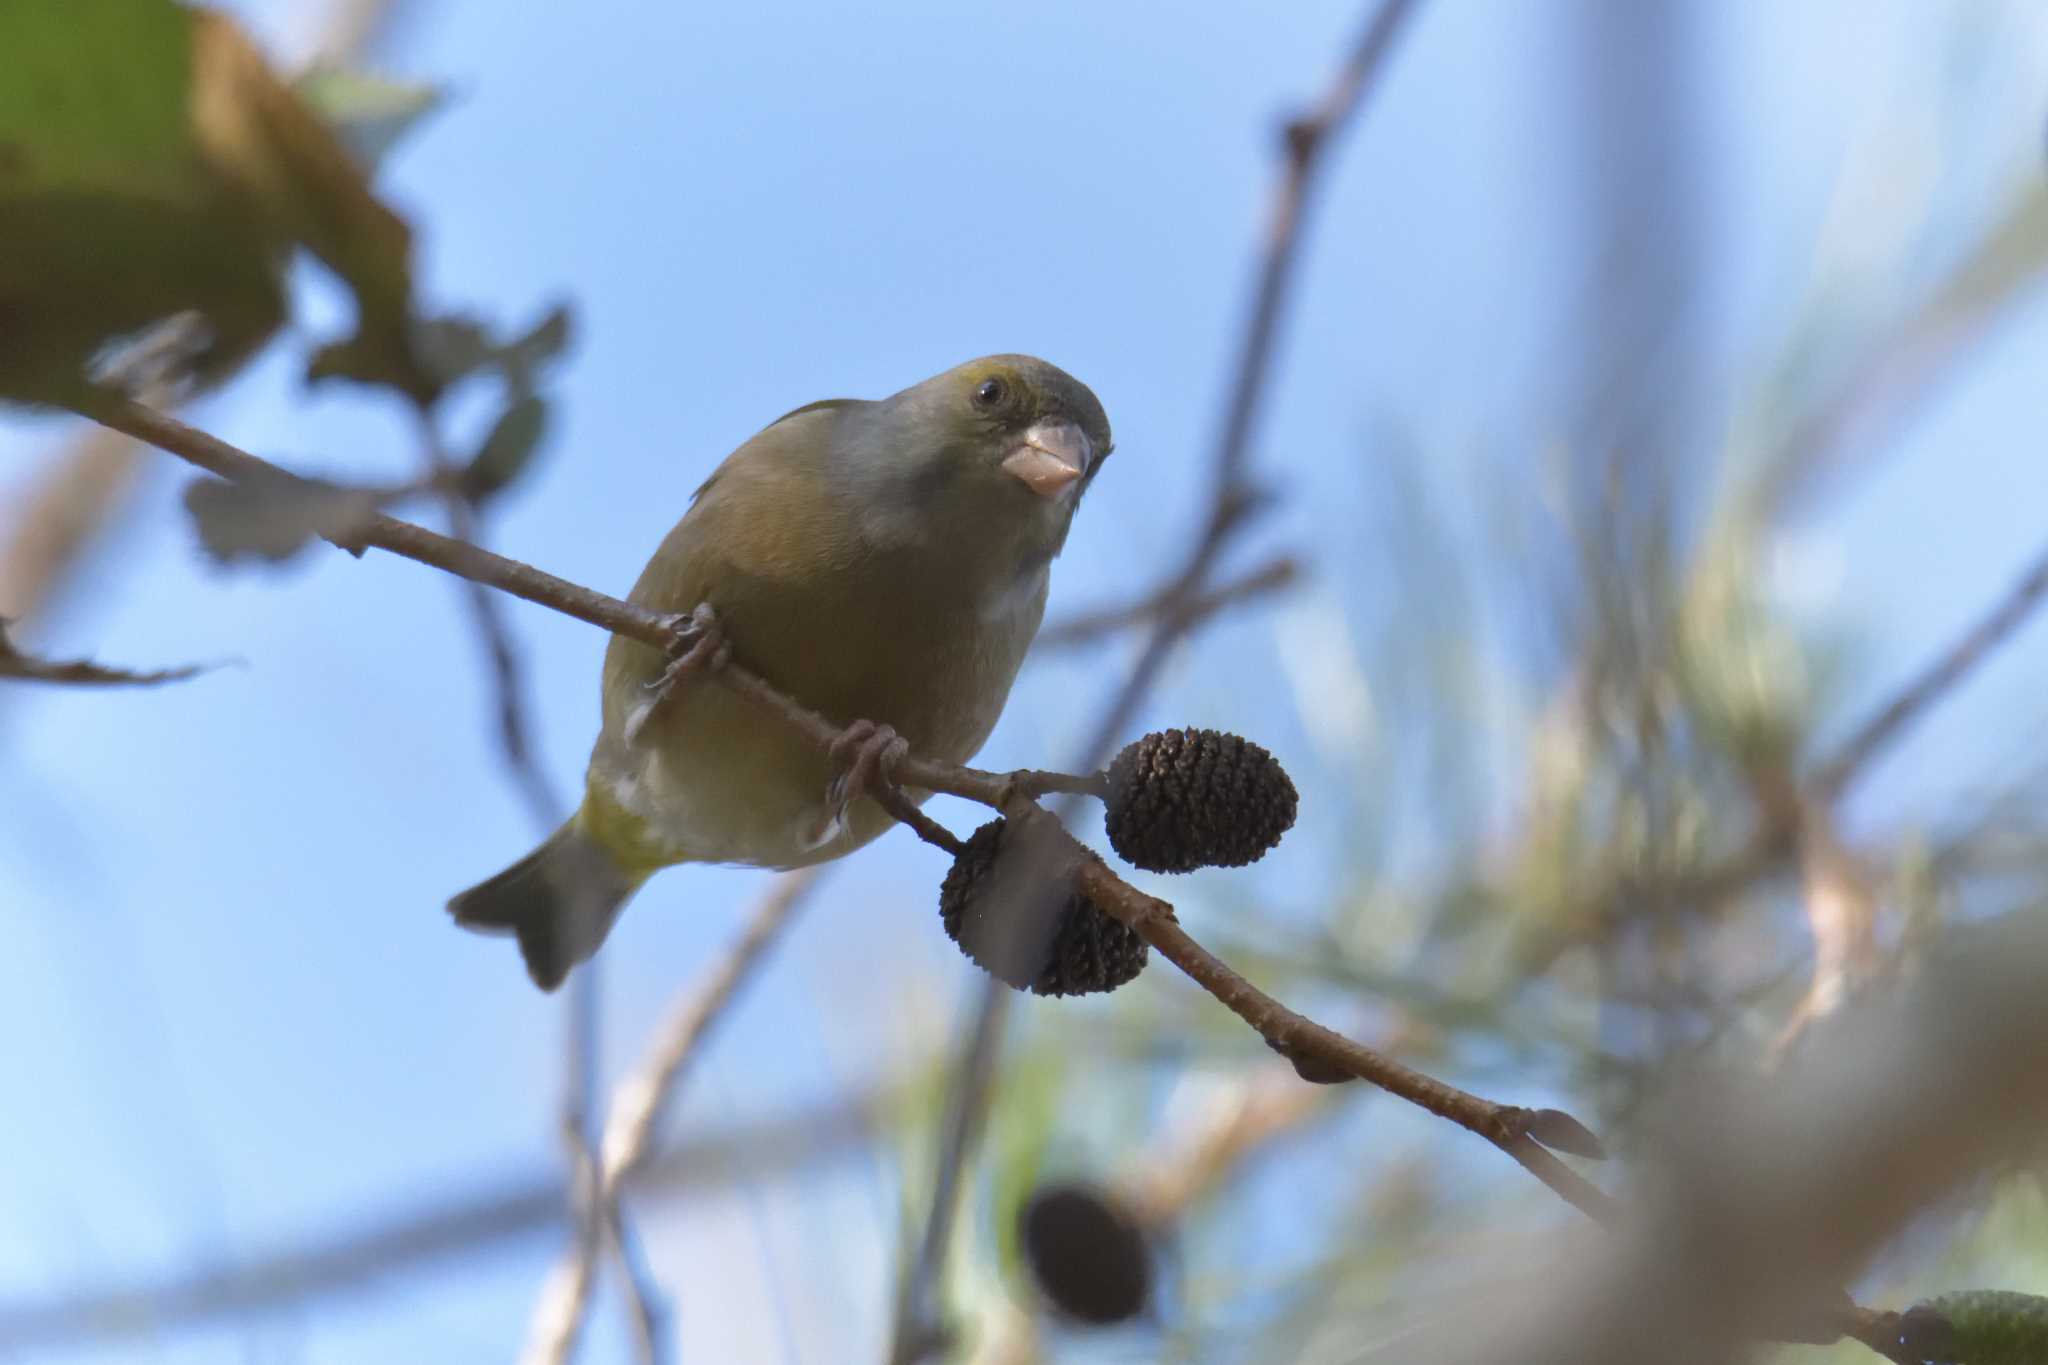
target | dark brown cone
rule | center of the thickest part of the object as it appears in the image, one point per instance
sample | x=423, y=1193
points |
x=1091, y=950
x=1183, y=799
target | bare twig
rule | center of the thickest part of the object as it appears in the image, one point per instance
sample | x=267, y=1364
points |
x=1295, y=1036
x=435, y=1233
x=642, y=1098
x=1198, y=607
x=69, y=504
x=1840, y=905
x=636, y=1109
x=564, y=1299
x=1949, y=668
x=565, y=1296
x=1262, y=1108
x=918, y=1330
x=1162, y=1181
x=515, y=739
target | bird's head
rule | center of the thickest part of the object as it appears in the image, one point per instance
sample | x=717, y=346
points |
x=1001, y=447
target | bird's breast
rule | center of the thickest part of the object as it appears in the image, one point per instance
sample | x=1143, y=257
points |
x=714, y=778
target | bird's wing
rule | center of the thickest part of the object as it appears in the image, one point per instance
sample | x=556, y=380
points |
x=822, y=405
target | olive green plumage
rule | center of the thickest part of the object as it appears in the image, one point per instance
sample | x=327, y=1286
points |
x=877, y=560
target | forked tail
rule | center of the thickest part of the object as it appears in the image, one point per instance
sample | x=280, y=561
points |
x=560, y=900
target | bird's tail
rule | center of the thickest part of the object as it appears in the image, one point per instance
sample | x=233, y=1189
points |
x=560, y=900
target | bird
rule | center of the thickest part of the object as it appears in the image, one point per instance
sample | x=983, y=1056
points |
x=884, y=562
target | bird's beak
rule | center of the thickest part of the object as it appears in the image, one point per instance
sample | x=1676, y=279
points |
x=1050, y=457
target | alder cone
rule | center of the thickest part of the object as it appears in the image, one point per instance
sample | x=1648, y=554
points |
x=1091, y=951
x=1183, y=799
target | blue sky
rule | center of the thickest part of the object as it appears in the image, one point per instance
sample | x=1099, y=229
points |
x=238, y=1011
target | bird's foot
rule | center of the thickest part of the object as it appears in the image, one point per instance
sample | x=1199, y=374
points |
x=870, y=753
x=696, y=644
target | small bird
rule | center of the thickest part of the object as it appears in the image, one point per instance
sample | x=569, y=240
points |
x=883, y=562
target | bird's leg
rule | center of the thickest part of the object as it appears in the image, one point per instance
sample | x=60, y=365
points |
x=875, y=749
x=870, y=753
x=696, y=645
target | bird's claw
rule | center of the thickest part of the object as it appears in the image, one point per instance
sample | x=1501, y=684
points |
x=695, y=644
x=870, y=753
x=875, y=751
x=696, y=636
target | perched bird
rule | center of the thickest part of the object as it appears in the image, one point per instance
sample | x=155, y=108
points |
x=884, y=563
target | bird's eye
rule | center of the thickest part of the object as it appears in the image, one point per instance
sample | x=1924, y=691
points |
x=991, y=392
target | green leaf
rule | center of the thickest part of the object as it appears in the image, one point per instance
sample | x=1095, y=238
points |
x=151, y=163
x=113, y=216
x=368, y=113
x=80, y=114
x=509, y=449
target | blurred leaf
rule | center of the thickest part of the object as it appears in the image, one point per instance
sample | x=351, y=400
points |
x=15, y=664
x=273, y=519
x=546, y=341
x=1977, y=1327
x=368, y=113
x=509, y=449
x=150, y=163
x=453, y=348
x=113, y=217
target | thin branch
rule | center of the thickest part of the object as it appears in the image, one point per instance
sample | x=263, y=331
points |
x=435, y=1233
x=1947, y=670
x=1297, y=1037
x=1187, y=1165
x=507, y=671
x=1198, y=607
x=514, y=731
x=635, y=1116
x=70, y=503
x=644, y=1096
x=1777, y=833
x=601, y=1225
x=381, y=532
x=917, y=1330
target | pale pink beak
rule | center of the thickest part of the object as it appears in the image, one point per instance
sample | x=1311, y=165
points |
x=1050, y=457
